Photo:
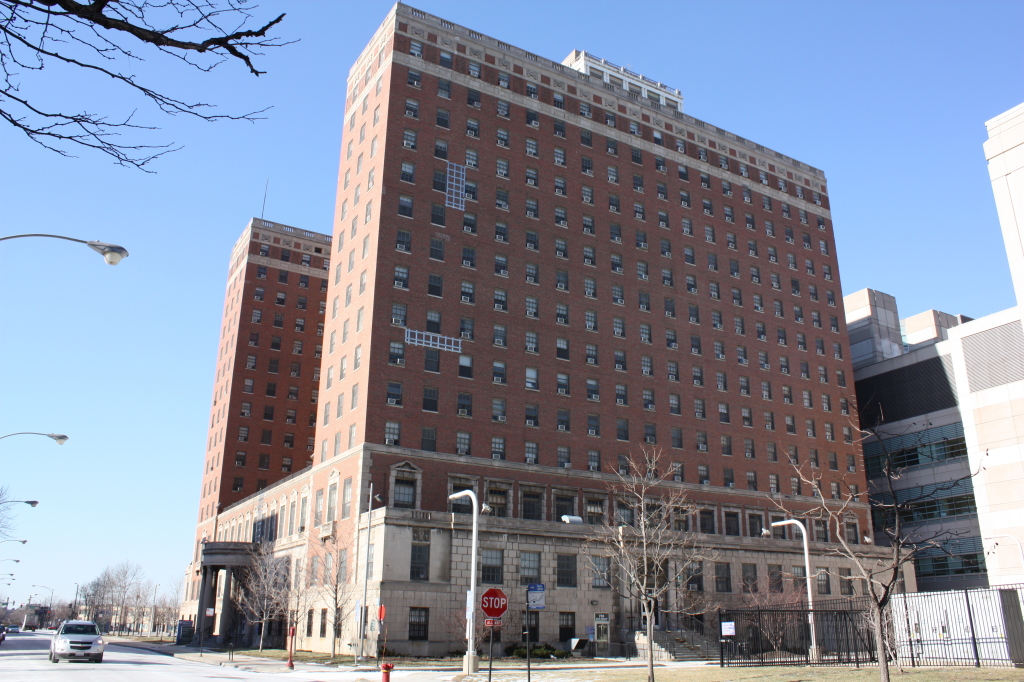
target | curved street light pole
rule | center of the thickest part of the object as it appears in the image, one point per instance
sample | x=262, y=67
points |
x=112, y=253
x=21, y=541
x=471, y=663
x=60, y=438
x=807, y=577
x=31, y=503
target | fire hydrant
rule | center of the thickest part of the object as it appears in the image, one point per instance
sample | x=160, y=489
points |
x=385, y=671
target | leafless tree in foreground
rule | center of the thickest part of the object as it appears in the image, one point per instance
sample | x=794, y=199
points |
x=644, y=548
x=262, y=593
x=109, y=38
x=898, y=513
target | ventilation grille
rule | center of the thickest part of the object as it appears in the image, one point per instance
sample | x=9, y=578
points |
x=995, y=356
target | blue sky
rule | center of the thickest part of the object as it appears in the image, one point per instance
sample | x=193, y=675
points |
x=889, y=99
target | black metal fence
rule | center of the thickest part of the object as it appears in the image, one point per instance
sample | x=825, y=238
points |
x=783, y=636
x=976, y=627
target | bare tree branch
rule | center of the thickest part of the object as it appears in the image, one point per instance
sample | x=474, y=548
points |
x=98, y=37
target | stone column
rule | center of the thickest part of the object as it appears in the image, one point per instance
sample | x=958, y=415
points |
x=203, y=602
x=226, y=606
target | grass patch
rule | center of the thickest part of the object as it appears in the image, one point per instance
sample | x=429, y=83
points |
x=764, y=674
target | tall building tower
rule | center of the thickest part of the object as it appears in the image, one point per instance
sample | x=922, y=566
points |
x=263, y=416
x=540, y=269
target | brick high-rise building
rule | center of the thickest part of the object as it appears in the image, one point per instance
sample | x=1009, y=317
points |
x=263, y=416
x=540, y=268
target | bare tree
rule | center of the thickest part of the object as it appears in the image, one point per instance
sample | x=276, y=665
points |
x=898, y=512
x=786, y=594
x=125, y=578
x=6, y=515
x=332, y=585
x=645, y=547
x=263, y=588
x=108, y=38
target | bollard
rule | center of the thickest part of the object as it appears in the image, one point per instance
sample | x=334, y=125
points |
x=385, y=671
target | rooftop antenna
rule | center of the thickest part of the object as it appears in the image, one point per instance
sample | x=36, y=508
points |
x=264, y=209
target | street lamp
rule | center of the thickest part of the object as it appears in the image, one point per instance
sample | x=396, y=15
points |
x=21, y=541
x=363, y=608
x=807, y=577
x=31, y=503
x=59, y=437
x=112, y=253
x=1020, y=547
x=17, y=561
x=471, y=663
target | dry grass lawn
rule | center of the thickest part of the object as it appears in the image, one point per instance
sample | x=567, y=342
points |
x=768, y=674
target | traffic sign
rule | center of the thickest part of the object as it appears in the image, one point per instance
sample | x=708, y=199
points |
x=494, y=602
x=535, y=597
x=492, y=622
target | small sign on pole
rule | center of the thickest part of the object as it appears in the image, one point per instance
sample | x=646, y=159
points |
x=492, y=622
x=729, y=628
x=535, y=600
x=210, y=611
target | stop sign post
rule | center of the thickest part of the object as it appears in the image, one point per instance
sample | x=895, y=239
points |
x=493, y=603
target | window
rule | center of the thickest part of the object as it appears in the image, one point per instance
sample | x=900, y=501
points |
x=723, y=577
x=491, y=563
x=419, y=621
x=529, y=562
x=566, y=570
x=419, y=560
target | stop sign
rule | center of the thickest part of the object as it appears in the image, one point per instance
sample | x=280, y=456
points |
x=494, y=602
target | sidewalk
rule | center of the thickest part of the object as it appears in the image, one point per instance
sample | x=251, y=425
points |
x=270, y=665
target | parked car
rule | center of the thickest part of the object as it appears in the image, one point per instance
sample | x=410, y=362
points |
x=13, y=629
x=79, y=639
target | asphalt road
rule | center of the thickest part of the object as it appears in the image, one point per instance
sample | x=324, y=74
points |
x=24, y=657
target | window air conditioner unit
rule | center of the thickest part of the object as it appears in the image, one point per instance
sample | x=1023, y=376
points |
x=531, y=214
x=563, y=391
x=591, y=361
x=561, y=286
x=531, y=313
x=647, y=372
x=466, y=299
x=531, y=422
x=531, y=348
x=462, y=451
x=673, y=344
x=496, y=455
x=396, y=320
x=503, y=204
x=499, y=306
x=467, y=335
x=408, y=144
x=618, y=300
x=638, y=215
x=649, y=439
x=702, y=447
x=561, y=427
x=730, y=484
x=592, y=467
x=463, y=412
x=399, y=361
x=399, y=283
x=500, y=418
x=389, y=441
x=392, y=401
x=707, y=211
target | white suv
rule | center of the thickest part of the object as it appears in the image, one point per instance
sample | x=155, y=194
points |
x=77, y=639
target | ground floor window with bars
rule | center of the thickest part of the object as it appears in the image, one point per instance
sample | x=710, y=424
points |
x=419, y=621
